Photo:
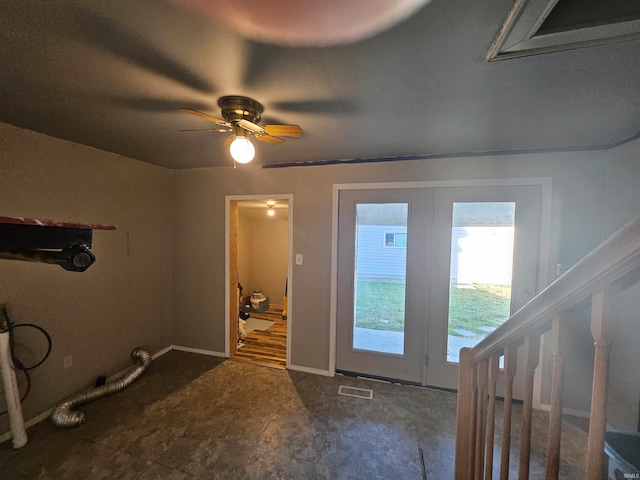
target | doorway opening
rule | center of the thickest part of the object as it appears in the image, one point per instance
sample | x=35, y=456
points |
x=259, y=272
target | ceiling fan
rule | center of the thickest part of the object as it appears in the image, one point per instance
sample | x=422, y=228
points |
x=240, y=116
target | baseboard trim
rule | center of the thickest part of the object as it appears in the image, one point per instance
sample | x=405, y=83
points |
x=159, y=353
x=44, y=415
x=315, y=371
x=200, y=351
x=121, y=373
x=574, y=412
x=29, y=423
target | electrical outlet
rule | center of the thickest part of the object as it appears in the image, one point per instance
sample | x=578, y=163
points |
x=67, y=361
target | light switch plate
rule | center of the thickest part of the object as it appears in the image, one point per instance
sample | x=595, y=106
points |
x=299, y=259
x=561, y=268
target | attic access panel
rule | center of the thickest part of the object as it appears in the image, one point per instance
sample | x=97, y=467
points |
x=525, y=30
x=575, y=14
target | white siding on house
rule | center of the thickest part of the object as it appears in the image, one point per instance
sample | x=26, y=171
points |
x=478, y=254
x=376, y=260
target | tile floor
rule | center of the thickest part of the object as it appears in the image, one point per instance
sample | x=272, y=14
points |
x=197, y=417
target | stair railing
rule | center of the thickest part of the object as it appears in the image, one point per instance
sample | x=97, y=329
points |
x=598, y=278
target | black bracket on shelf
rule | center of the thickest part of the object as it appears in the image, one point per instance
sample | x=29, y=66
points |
x=64, y=244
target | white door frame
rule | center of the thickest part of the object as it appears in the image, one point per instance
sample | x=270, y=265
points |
x=545, y=183
x=227, y=264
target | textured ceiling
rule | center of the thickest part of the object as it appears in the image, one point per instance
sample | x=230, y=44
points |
x=113, y=75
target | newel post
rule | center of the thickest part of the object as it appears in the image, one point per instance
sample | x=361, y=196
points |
x=603, y=325
x=465, y=428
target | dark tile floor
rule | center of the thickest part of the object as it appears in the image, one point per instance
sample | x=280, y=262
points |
x=197, y=417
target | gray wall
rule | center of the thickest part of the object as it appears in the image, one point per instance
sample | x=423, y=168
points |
x=263, y=247
x=621, y=203
x=124, y=299
x=200, y=194
x=619, y=192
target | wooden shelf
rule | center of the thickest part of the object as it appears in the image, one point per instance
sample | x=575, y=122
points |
x=52, y=223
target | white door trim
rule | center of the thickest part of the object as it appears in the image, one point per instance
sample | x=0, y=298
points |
x=545, y=183
x=227, y=263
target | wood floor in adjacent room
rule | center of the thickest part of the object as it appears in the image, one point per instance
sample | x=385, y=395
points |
x=268, y=347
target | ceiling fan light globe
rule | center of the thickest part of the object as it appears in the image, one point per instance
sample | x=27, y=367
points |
x=242, y=150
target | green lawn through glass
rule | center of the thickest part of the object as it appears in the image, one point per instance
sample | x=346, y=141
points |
x=478, y=306
x=380, y=306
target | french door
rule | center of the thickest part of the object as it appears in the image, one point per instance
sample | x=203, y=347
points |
x=423, y=272
x=382, y=273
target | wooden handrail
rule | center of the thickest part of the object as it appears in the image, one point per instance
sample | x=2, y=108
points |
x=616, y=258
x=597, y=278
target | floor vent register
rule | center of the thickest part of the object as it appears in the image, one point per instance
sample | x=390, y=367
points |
x=356, y=392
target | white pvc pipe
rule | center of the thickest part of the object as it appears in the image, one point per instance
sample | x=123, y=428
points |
x=16, y=421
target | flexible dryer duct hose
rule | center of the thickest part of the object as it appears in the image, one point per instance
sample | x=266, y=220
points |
x=63, y=416
x=16, y=421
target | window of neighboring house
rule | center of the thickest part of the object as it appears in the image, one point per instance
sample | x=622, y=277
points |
x=398, y=240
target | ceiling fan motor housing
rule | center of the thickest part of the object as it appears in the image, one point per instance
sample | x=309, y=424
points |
x=235, y=108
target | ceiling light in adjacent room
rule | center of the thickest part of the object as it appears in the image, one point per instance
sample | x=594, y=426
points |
x=241, y=149
x=271, y=212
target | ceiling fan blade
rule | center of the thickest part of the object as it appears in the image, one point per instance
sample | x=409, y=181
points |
x=252, y=127
x=269, y=139
x=219, y=130
x=283, y=130
x=219, y=121
x=337, y=106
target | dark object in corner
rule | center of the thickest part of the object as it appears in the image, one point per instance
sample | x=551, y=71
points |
x=623, y=451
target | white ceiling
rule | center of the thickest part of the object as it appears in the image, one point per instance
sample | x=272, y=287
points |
x=113, y=75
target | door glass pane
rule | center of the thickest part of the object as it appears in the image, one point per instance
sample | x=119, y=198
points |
x=380, y=277
x=480, y=272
